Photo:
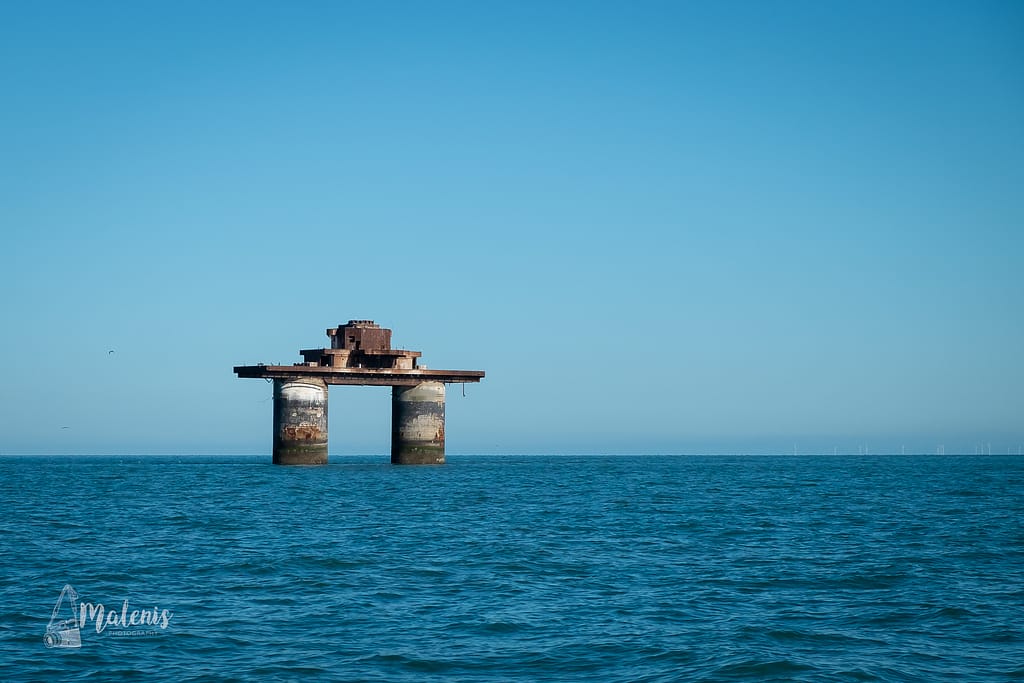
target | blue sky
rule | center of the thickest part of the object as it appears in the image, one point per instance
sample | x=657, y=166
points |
x=659, y=227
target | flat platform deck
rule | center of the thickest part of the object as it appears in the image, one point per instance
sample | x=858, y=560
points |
x=359, y=376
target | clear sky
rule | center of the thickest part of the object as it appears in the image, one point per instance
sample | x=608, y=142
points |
x=665, y=227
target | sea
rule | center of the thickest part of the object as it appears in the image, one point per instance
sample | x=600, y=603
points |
x=517, y=568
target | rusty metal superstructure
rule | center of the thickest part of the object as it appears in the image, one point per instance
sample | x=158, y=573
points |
x=360, y=354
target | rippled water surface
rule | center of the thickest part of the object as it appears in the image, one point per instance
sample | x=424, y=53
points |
x=519, y=568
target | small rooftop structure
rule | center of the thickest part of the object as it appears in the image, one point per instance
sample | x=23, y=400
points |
x=360, y=353
x=360, y=344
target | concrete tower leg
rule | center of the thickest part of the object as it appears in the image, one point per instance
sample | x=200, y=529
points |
x=417, y=424
x=300, y=422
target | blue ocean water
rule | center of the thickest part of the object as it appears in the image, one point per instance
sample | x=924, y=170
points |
x=878, y=568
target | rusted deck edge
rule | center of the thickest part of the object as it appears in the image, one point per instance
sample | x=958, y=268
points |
x=358, y=376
